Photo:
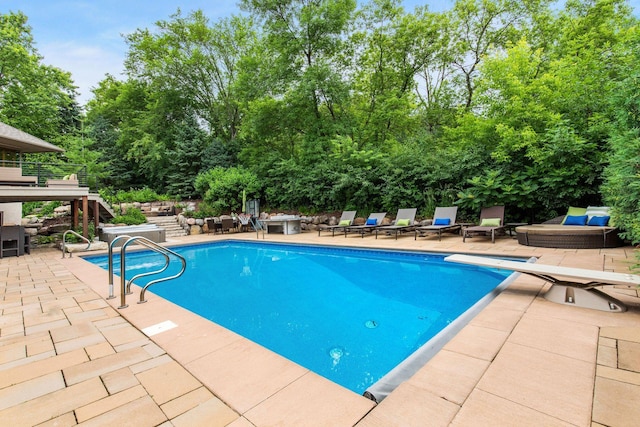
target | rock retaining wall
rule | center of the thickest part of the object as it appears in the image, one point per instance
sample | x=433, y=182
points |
x=157, y=208
x=308, y=222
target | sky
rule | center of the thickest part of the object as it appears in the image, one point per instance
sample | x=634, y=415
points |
x=85, y=37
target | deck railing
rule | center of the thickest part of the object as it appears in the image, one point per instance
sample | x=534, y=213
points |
x=46, y=171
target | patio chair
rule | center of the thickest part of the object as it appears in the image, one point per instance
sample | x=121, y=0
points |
x=444, y=219
x=374, y=220
x=404, y=222
x=346, y=220
x=491, y=222
x=227, y=225
x=212, y=225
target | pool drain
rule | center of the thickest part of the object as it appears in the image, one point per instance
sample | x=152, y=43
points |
x=336, y=353
x=371, y=324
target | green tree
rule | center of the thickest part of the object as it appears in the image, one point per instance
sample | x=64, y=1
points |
x=198, y=61
x=305, y=38
x=186, y=159
x=116, y=119
x=118, y=172
x=80, y=152
x=482, y=27
x=394, y=47
x=436, y=86
x=34, y=97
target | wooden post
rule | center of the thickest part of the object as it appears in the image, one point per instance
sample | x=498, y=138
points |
x=74, y=212
x=96, y=215
x=85, y=217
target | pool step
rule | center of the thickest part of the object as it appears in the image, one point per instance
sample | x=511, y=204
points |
x=169, y=223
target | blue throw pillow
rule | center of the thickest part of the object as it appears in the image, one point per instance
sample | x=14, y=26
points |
x=600, y=221
x=372, y=221
x=575, y=220
x=441, y=221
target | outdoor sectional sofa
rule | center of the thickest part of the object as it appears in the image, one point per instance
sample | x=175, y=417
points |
x=556, y=234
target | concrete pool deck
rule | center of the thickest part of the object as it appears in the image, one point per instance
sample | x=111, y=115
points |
x=68, y=356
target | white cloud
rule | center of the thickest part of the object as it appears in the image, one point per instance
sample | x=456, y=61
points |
x=87, y=64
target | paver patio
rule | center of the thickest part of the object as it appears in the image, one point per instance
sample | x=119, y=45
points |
x=68, y=356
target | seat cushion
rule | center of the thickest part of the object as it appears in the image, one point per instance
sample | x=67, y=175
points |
x=490, y=222
x=574, y=211
x=599, y=221
x=597, y=211
x=575, y=220
x=441, y=221
x=600, y=211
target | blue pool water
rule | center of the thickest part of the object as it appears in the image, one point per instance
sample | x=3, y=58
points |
x=350, y=315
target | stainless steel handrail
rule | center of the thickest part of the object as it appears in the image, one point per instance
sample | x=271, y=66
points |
x=125, y=286
x=64, y=236
x=258, y=226
x=111, y=245
x=164, y=279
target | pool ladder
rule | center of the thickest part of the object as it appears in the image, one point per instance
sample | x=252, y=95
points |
x=125, y=286
x=258, y=226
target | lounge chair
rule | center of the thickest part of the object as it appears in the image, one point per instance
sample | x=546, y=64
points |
x=566, y=292
x=346, y=220
x=444, y=219
x=374, y=220
x=491, y=221
x=404, y=222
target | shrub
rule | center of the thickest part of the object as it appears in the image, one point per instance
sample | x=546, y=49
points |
x=204, y=211
x=29, y=207
x=72, y=238
x=46, y=208
x=133, y=216
x=621, y=187
x=142, y=195
x=44, y=240
x=222, y=188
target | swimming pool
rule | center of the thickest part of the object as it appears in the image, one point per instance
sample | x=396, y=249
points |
x=350, y=315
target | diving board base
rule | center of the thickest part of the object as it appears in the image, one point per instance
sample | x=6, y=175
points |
x=595, y=299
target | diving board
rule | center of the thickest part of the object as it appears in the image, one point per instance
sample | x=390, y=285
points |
x=564, y=291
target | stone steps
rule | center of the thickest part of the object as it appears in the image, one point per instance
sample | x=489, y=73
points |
x=169, y=223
